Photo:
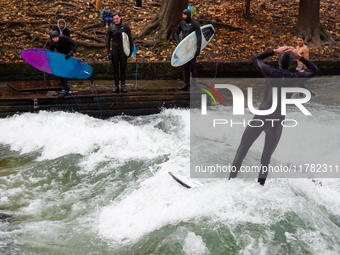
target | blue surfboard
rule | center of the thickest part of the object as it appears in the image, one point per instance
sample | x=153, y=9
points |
x=55, y=63
x=186, y=49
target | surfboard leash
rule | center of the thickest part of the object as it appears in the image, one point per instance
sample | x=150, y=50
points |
x=136, y=73
x=95, y=91
x=63, y=90
x=218, y=50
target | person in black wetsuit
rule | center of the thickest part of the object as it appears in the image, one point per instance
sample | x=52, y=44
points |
x=274, y=78
x=65, y=45
x=117, y=55
x=187, y=26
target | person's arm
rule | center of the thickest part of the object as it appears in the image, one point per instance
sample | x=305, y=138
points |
x=199, y=39
x=102, y=14
x=129, y=34
x=73, y=44
x=66, y=32
x=306, y=53
x=259, y=64
x=263, y=68
x=51, y=45
x=178, y=31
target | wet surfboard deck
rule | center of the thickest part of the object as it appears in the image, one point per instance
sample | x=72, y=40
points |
x=186, y=49
x=55, y=63
x=186, y=181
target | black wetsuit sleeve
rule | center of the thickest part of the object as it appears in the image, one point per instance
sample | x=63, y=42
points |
x=66, y=32
x=178, y=31
x=108, y=41
x=51, y=45
x=311, y=70
x=263, y=68
x=199, y=37
x=72, y=43
x=129, y=34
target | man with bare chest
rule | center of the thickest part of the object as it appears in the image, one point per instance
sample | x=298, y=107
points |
x=303, y=50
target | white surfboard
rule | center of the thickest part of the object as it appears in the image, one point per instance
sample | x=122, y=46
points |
x=186, y=181
x=126, y=45
x=186, y=49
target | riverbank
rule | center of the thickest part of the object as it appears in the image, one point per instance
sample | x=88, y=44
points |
x=272, y=24
x=96, y=100
x=159, y=70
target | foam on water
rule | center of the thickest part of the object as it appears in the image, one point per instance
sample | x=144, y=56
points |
x=59, y=134
x=103, y=186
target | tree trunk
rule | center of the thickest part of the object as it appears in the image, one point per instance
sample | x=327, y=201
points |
x=166, y=21
x=309, y=23
x=247, y=14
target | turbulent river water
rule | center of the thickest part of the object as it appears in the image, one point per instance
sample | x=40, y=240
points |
x=73, y=184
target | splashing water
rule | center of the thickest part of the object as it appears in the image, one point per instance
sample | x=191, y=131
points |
x=72, y=184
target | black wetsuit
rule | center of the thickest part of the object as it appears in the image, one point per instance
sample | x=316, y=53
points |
x=114, y=34
x=65, y=45
x=274, y=78
x=188, y=26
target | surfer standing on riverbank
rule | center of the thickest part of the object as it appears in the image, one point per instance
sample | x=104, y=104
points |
x=278, y=78
x=187, y=26
x=65, y=45
x=117, y=55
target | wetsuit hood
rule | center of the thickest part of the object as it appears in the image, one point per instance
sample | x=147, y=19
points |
x=286, y=60
x=188, y=13
x=54, y=33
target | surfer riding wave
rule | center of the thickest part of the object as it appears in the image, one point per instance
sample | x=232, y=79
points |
x=278, y=78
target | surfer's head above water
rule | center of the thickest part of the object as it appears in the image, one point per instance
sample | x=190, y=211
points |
x=286, y=60
x=186, y=15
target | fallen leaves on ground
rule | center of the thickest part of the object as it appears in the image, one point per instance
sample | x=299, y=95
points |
x=28, y=24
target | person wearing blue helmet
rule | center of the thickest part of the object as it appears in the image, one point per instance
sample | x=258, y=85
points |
x=187, y=26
